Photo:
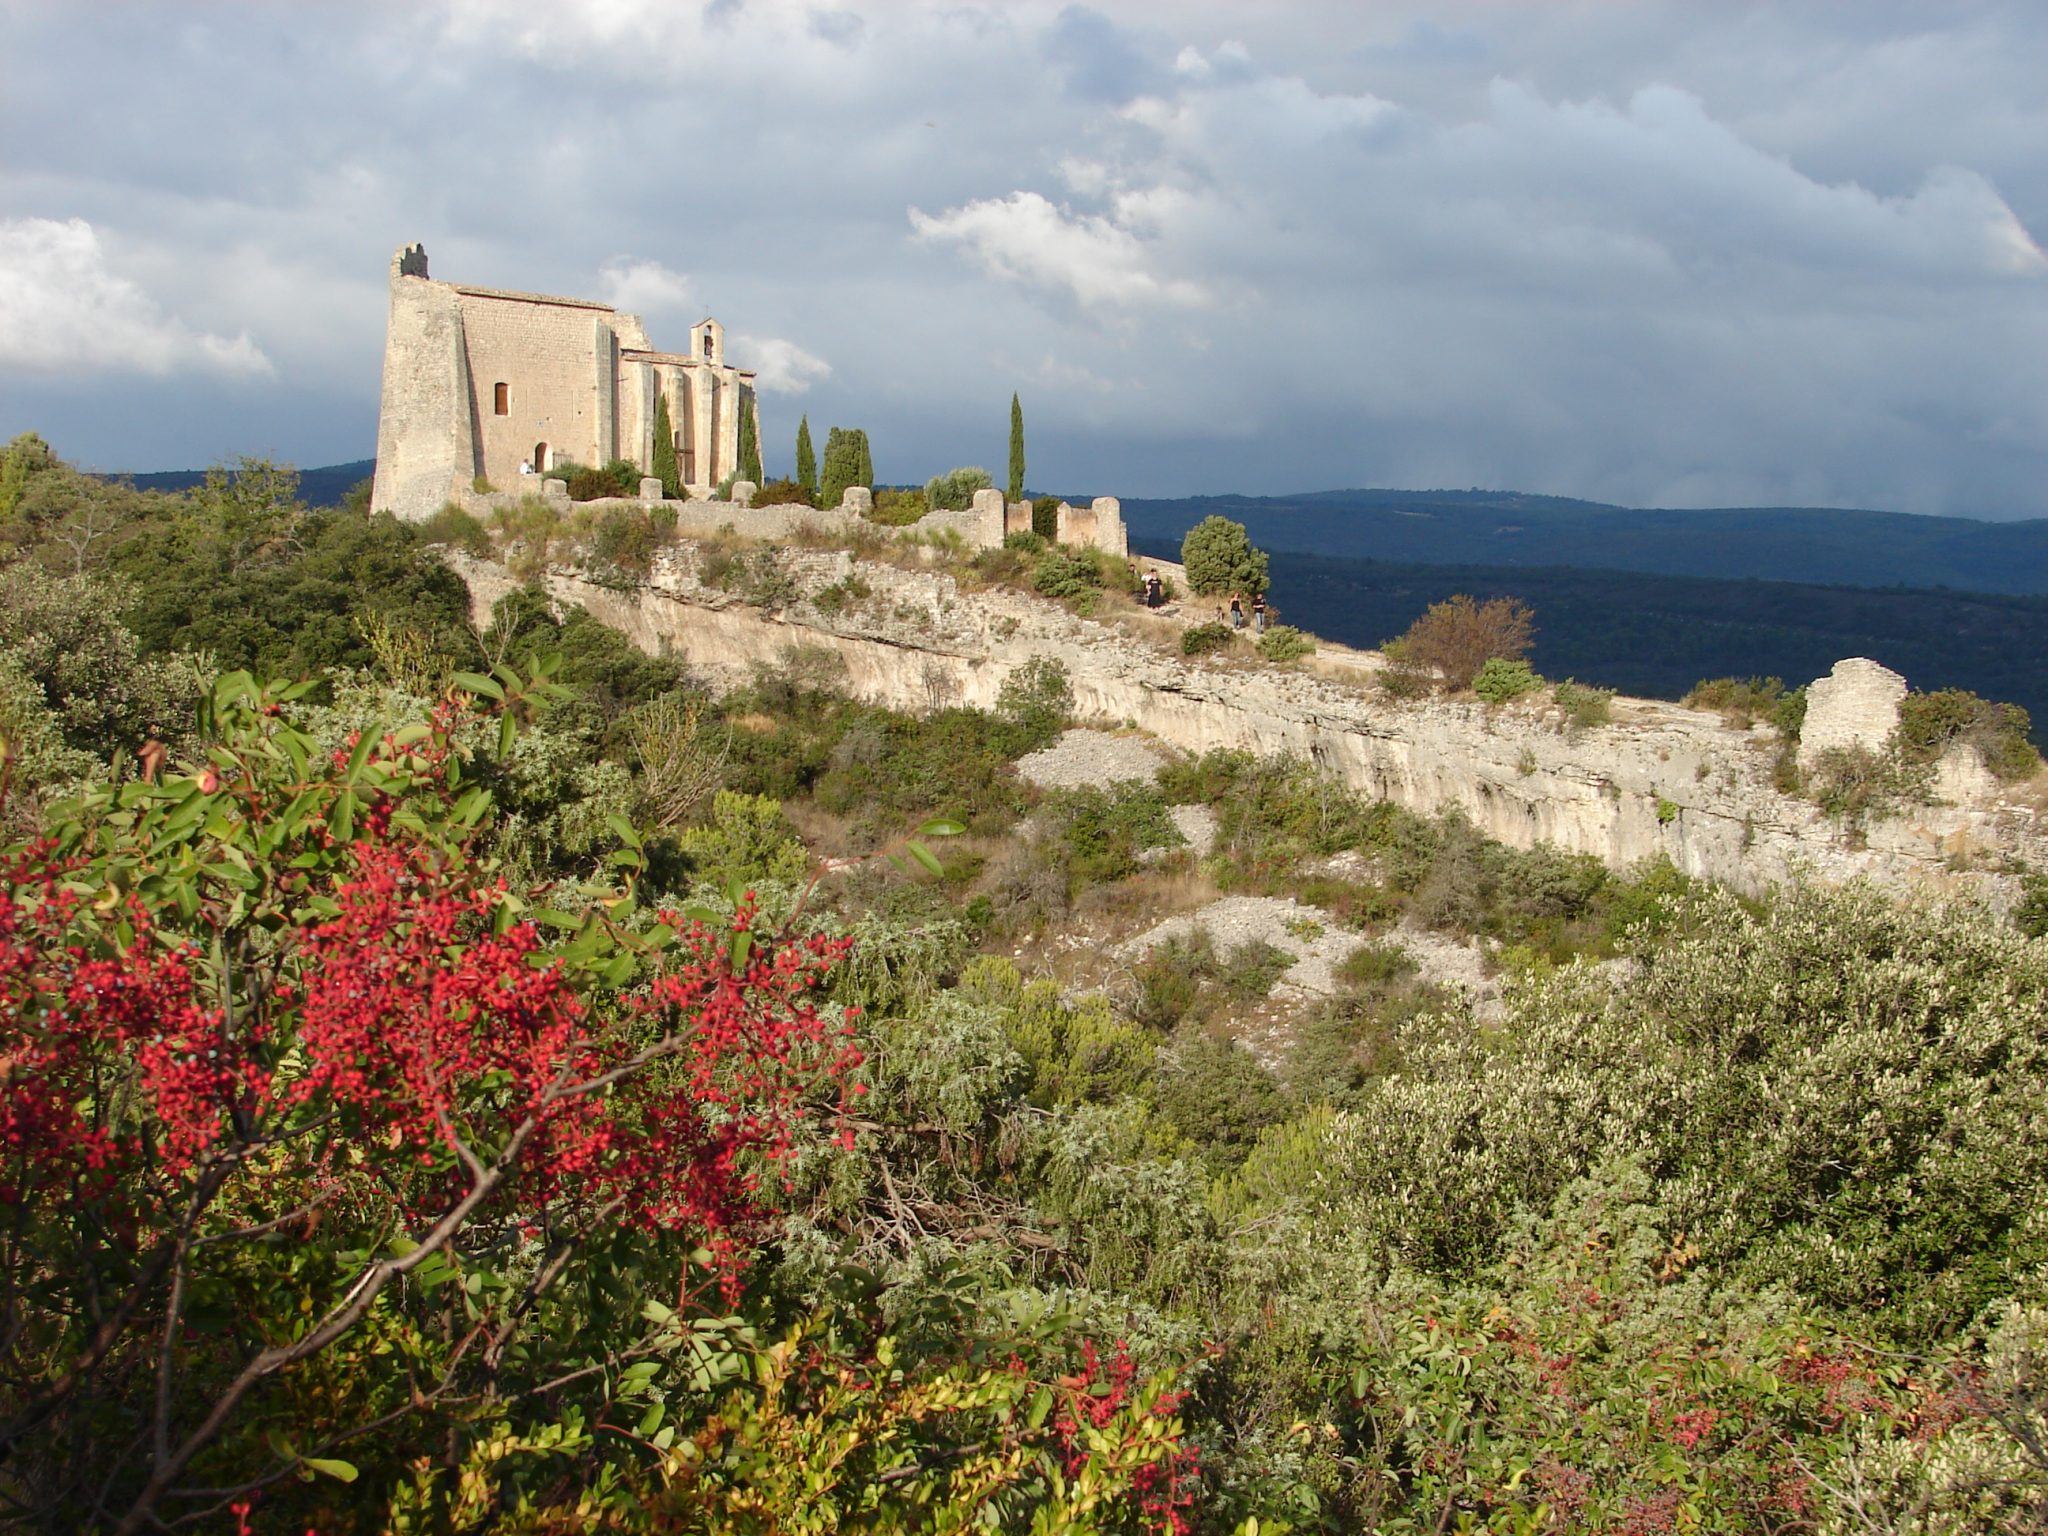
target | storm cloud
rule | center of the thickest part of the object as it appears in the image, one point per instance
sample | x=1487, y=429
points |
x=1662, y=254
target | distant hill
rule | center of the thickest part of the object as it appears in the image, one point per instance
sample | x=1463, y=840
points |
x=1656, y=635
x=1496, y=528
x=322, y=487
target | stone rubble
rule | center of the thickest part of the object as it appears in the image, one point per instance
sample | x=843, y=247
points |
x=1082, y=757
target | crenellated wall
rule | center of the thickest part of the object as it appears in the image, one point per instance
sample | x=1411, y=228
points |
x=1659, y=779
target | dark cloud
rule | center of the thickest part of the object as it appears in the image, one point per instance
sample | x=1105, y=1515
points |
x=1658, y=253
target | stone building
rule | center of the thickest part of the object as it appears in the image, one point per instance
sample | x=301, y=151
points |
x=479, y=382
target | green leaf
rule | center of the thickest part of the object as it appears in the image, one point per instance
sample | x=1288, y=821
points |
x=345, y=1471
x=924, y=856
x=365, y=745
x=1041, y=1405
x=471, y=682
x=941, y=827
x=650, y=1421
x=742, y=946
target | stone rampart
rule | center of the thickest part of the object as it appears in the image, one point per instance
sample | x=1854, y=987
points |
x=1660, y=779
x=700, y=517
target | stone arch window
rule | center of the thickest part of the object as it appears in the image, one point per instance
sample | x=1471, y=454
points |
x=501, y=399
x=540, y=459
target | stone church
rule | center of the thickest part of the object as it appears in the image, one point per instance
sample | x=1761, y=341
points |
x=481, y=383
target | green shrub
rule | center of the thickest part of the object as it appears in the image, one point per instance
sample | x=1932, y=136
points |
x=1201, y=639
x=1045, y=518
x=850, y=588
x=719, y=565
x=1218, y=1096
x=625, y=540
x=1103, y=833
x=1251, y=969
x=785, y=493
x=1283, y=642
x=458, y=529
x=899, y=508
x=1037, y=696
x=1854, y=784
x=1930, y=723
x=1167, y=983
x=1789, y=714
x=1379, y=963
x=621, y=477
x=1737, y=700
x=747, y=841
x=1220, y=558
x=1064, y=574
x=954, y=490
x=2030, y=912
x=1584, y=706
x=1502, y=679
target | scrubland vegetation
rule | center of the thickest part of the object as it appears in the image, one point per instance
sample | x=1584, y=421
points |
x=444, y=1090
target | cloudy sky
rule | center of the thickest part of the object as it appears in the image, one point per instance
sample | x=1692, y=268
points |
x=1674, y=254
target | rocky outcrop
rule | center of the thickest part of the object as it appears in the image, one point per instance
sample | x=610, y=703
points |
x=1659, y=779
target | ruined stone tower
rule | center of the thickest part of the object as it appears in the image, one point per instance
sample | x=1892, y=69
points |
x=479, y=382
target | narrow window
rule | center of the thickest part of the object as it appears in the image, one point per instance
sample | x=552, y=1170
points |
x=501, y=399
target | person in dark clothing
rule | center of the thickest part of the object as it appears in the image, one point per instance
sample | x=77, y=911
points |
x=1237, y=610
x=1259, y=612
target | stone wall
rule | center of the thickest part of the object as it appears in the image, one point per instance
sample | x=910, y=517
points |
x=1660, y=779
x=558, y=362
x=701, y=517
x=1855, y=706
x=425, y=448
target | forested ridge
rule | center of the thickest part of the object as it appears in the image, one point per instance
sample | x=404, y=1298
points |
x=1831, y=545
x=485, y=1079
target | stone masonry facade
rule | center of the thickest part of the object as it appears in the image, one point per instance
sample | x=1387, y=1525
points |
x=485, y=384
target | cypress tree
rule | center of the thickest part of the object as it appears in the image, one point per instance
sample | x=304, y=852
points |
x=866, y=471
x=750, y=438
x=1016, y=492
x=664, y=467
x=806, y=458
x=841, y=467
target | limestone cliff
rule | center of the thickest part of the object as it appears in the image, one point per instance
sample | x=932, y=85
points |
x=1658, y=779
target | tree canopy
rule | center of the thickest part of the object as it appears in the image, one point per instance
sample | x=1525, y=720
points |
x=1220, y=558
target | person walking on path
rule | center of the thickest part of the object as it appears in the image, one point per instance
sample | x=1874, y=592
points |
x=1259, y=613
x=1237, y=610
